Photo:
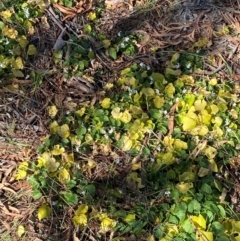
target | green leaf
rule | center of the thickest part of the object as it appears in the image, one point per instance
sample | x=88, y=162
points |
x=81, y=65
x=146, y=152
x=173, y=219
x=199, y=197
x=180, y=211
x=175, y=194
x=187, y=226
x=223, y=237
x=81, y=131
x=91, y=55
x=205, y=188
x=112, y=53
x=33, y=182
x=70, y=198
x=158, y=231
x=217, y=228
x=1, y=25
x=91, y=189
x=68, y=3
x=36, y=194
x=222, y=211
x=194, y=206
x=17, y=73
x=31, y=50
x=149, y=92
x=155, y=114
x=87, y=28
x=71, y=184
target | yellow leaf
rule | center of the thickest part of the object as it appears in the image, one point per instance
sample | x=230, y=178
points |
x=6, y=14
x=217, y=121
x=165, y=159
x=130, y=217
x=149, y=92
x=82, y=209
x=52, y=165
x=168, y=141
x=64, y=176
x=214, y=109
x=133, y=178
x=217, y=131
x=199, y=222
x=108, y=86
x=213, y=165
x=63, y=131
x=169, y=90
x=205, y=117
x=57, y=150
x=137, y=97
x=23, y=41
x=187, y=176
x=151, y=238
x=43, y=159
x=131, y=82
x=213, y=81
x=210, y=152
x=89, y=139
x=136, y=166
x=126, y=117
x=81, y=112
x=200, y=105
x=203, y=172
x=52, y=111
x=17, y=63
x=105, y=103
x=43, y=212
x=204, y=236
x=126, y=144
x=158, y=102
x=234, y=114
x=180, y=145
x=107, y=224
x=189, y=121
x=9, y=32
x=20, y=231
x=106, y=43
x=171, y=230
x=187, y=79
x=116, y=113
x=54, y=127
x=80, y=219
x=92, y=16
x=184, y=187
x=31, y=50
x=91, y=163
x=201, y=130
x=21, y=171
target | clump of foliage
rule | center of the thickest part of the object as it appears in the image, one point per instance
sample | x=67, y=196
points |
x=16, y=23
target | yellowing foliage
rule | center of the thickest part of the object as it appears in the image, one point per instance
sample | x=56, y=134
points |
x=80, y=216
x=44, y=211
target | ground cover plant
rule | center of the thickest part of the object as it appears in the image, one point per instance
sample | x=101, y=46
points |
x=145, y=144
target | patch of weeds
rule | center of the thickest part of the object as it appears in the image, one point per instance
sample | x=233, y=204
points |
x=16, y=23
x=175, y=131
